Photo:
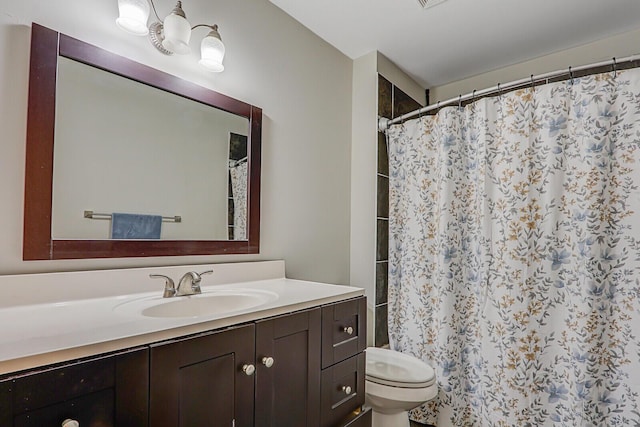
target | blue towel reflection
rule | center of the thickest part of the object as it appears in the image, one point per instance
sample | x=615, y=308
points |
x=134, y=226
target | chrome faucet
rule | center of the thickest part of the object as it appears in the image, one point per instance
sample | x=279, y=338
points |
x=189, y=284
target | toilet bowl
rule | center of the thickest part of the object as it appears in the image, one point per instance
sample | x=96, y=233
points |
x=395, y=383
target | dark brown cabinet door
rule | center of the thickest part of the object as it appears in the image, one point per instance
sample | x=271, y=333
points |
x=200, y=382
x=288, y=370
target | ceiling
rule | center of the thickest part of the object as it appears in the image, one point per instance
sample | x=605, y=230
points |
x=456, y=39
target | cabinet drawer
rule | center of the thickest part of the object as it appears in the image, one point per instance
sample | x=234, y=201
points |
x=57, y=385
x=344, y=330
x=95, y=409
x=342, y=390
x=106, y=391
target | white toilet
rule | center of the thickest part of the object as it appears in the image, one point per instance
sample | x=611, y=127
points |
x=396, y=383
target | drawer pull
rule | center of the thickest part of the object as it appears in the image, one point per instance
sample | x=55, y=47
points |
x=248, y=369
x=348, y=330
x=70, y=423
x=267, y=361
x=346, y=389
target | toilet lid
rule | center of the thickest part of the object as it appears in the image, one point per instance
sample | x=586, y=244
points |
x=393, y=368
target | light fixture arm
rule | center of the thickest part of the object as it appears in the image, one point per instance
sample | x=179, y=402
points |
x=155, y=12
x=212, y=27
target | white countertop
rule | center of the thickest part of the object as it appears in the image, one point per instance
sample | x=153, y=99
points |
x=38, y=334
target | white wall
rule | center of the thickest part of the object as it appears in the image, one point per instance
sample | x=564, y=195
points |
x=364, y=151
x=302, y=84
x=400, y=79
x=363, y=180
x=625, y=44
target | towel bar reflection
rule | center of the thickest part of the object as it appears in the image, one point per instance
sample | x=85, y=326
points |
x=96, y=215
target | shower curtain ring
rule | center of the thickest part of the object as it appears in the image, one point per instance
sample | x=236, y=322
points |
x=533, y=85
x=473, y=96
x=499, y=91
x=460, y=101
x=615, y=68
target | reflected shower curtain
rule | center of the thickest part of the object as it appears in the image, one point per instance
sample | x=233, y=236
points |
x=514, y=265
x=239, y=189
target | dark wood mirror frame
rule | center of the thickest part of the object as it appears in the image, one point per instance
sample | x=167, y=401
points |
x=38, y=243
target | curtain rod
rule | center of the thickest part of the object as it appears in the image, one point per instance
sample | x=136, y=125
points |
x=384, y=123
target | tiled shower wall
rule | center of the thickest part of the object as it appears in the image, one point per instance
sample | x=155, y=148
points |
x=392, y=102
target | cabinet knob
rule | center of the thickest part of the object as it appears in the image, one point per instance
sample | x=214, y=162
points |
x=248, y=369
x=70, y=423
x=348, y=330
x=346, y=389
x=267, y=361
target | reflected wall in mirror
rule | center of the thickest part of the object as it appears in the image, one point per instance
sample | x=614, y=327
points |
x=162, y=154
x=109, y=135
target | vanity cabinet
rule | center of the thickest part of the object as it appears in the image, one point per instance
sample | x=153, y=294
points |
x=300, y=369
x=106, y=391
x=304, y=368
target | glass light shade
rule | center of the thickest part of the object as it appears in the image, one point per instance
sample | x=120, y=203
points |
x=212, y=52
x=134, y=15
x=177, y=32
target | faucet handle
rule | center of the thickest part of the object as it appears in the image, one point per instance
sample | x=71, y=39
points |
x=169, y=285
x=195, y=284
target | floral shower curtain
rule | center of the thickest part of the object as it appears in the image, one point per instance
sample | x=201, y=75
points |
x=239, y=178
x=514, y=265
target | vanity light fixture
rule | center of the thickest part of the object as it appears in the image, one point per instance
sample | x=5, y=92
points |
x=172, y=34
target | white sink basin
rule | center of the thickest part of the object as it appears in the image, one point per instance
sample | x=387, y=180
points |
x=206, y=304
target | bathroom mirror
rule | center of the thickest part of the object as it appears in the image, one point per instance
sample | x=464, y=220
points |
x=108, y=135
